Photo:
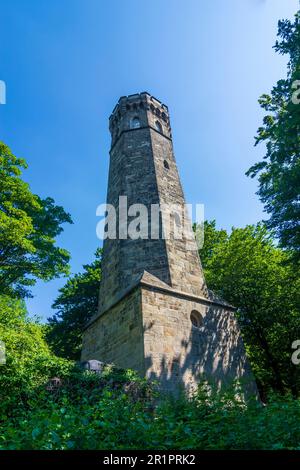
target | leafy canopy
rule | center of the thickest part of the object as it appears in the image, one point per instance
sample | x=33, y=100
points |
x=29, y=226
x=76, y=304
x=29, y=361
x=247, y=270
x=279, y=172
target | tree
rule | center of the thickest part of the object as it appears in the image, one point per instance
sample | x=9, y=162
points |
x=279, y=172
x=29, y=361
x=76, y=304
x=213, y=238
x=29, y=226
x=247, y=270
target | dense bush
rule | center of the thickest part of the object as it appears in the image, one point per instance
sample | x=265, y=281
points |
x=29, y=362
x=87, y=411
x=120, y=411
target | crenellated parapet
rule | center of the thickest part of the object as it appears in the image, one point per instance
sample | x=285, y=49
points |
x=139, y=111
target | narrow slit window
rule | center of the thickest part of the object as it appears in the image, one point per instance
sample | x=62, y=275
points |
x=158, y=126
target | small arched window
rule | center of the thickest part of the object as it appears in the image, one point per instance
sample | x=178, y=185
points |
x=158, y=126
x=177, y=219
x=196, y=319
x=135, y=123
x=166, y=165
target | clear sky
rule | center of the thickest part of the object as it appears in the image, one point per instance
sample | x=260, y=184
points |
x=66, y=63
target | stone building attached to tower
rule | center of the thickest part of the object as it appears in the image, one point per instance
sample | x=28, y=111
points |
x=156, y=314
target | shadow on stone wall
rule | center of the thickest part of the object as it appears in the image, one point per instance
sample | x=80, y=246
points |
x=214, y=353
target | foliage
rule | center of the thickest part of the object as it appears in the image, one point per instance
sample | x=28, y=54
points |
x=29, y=361
x=247, y=270
x=29, y=226
x=212, y=239
x=279, y=172
x=76, y=304
x=118, y=410
x=91, y=412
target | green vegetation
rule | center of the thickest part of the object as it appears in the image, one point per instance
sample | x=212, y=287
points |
x=279, y=172
x=76, y=304
x=118, y=410
x=28, y=228
x=247, y=270
x=29, y=362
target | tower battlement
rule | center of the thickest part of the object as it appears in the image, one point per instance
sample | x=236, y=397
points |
x=137, y=98
x=136, y=111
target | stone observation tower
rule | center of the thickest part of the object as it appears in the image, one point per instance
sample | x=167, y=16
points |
x=155, y=313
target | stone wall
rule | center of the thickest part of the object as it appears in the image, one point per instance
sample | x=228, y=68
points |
x=179, y=354
x=150, y=330
x=116, y=337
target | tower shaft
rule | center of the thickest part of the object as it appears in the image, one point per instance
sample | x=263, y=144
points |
x=144, y=170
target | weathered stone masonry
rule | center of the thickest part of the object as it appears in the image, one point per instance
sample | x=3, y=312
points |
x=155, y=313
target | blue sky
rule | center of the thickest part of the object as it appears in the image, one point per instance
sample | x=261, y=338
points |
x=66, y=63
